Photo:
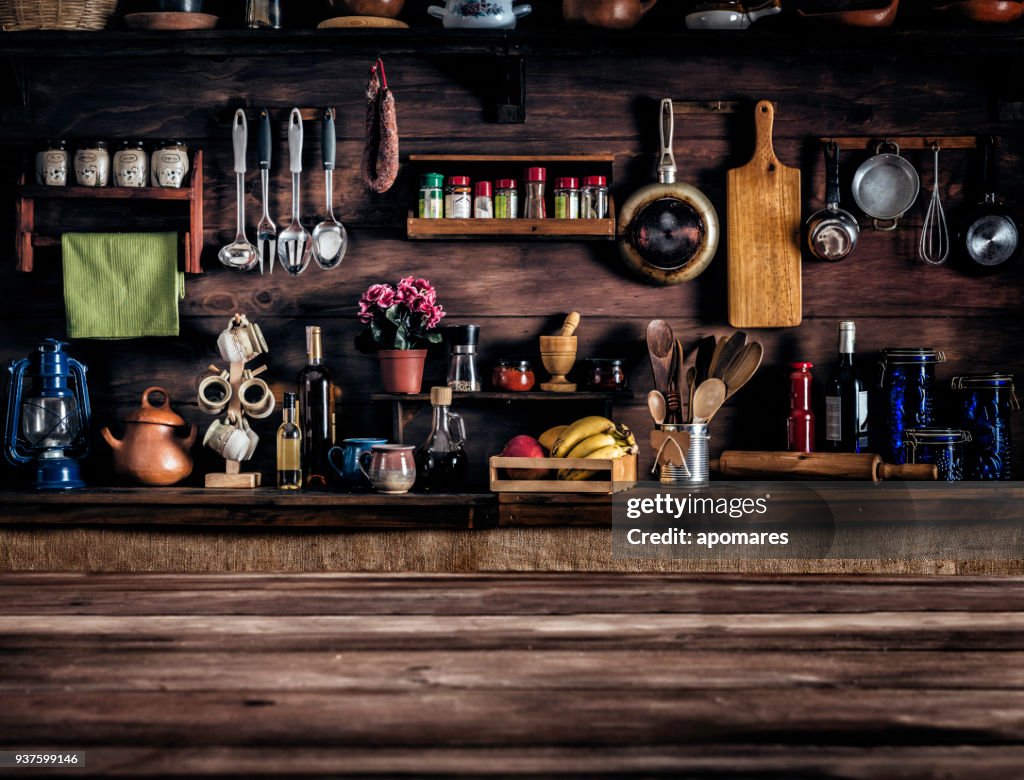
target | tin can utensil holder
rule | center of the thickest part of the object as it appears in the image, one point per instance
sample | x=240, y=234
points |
x=693, y=471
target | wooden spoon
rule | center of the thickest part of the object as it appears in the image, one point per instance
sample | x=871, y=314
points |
x=743, y=368
x=661, y=345
x=705, y=351
x=691, y=375
x=708, y=400
x=656, y=403
x=727, y=350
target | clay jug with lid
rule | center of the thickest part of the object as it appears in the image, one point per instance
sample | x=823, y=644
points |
x=612, y=14
x=153, y=450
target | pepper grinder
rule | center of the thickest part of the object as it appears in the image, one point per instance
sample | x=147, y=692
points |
x=463, y=373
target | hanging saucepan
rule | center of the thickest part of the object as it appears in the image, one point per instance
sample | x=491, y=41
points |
x=990, y=236
x=885, y=186
x=832, y=232
x=668, y=232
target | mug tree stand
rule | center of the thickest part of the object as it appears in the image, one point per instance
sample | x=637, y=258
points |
x=233, y=476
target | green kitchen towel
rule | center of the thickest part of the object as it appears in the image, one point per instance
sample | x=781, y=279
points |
x=121, y=285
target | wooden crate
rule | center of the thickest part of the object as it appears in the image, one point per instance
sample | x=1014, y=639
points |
x=621, y=475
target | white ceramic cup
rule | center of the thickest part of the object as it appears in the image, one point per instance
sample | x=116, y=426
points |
x=236, y=346
x=214, y=393
x=256, y=398
x=227, y=440
x=254, y=439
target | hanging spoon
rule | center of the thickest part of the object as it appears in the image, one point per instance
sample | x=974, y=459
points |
x=293, y=245
x=330, y=239
x=239, y=254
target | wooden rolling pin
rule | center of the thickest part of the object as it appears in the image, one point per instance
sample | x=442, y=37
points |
x=829, y=465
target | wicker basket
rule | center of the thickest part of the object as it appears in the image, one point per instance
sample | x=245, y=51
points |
x=56, y=14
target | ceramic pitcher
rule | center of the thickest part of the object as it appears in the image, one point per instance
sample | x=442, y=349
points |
x=479, y=14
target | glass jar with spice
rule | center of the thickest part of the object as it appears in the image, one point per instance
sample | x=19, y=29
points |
x=594, y=198
x=431, y=196
x=506, y=199
x=534, y=207
x=605, y=374
x=567, y=198
x=483, y=205
x=458, y=198
x=513, y=376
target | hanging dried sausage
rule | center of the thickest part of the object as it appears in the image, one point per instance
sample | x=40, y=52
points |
x=380, y=155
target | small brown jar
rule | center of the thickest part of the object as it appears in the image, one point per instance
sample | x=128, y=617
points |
x=513, y=376
x=606, y=374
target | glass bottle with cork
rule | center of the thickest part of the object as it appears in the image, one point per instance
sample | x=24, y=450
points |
x=441, y=462
x=289, y=447
x=316, y=411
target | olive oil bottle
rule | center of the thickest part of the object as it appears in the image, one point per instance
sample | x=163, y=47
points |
x=289, y=448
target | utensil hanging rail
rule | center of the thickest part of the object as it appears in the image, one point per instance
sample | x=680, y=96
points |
x=866, y=143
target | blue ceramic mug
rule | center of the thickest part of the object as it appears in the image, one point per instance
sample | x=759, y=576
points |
x=344, y=459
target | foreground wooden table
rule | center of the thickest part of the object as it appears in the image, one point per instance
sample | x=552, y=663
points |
x=260, y=676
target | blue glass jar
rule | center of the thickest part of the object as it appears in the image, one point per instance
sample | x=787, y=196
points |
x=943, y=447
x=985, y=403
x=908, y=389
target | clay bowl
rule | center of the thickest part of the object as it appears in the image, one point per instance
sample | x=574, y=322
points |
x=882, y=16
x=989, y=11
x=388, y=9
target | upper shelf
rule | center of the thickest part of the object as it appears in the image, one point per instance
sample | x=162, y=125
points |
x=798, y=40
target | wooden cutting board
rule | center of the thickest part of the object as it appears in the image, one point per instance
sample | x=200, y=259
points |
x=764, y=236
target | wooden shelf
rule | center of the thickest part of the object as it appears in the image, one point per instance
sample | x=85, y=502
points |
x=496, y=229
x=487, y=397
x=38, y=192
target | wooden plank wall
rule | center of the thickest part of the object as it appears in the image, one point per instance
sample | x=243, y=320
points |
x=517, y=291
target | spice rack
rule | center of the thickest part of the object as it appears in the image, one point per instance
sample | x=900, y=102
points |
x=27, y=236
x=491, y=167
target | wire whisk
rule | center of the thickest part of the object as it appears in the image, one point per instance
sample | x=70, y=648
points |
x=934, y=246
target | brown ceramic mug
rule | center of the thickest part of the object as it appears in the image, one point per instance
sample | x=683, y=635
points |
x=613, y=14
x=391, y=468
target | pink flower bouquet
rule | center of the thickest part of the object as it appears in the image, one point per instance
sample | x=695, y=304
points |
x=402, y=317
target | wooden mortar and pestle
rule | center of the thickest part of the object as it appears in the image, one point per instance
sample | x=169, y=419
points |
x=558, y=353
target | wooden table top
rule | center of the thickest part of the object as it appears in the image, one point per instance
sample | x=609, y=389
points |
x=540, y=675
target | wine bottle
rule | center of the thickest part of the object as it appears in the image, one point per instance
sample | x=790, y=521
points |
x=316, y=411
x=289, y=447
x=846, y=399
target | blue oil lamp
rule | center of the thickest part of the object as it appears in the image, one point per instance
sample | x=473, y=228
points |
x=47, y=423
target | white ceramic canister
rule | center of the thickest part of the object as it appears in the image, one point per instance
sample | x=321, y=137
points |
x=131, y=165
x=169, y=165
x=92, y=165
x=52, y=164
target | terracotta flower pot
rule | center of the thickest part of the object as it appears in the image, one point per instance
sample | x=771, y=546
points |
x=402, y=369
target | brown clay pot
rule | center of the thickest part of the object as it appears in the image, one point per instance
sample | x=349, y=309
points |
x=401, y=370
x=987, y=11
x=388, y=9
x=880, y=16
x=153, y=451
x=613, y=14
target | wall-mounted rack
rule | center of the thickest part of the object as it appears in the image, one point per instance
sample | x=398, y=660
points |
x=867, y=143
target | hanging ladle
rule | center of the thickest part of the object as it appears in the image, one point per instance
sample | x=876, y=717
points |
x=239, y=254
x=330, y=239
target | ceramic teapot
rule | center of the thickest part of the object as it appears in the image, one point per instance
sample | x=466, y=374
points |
x=729, y=14
x=153, y=451
x=612, y=14
x=479, y=14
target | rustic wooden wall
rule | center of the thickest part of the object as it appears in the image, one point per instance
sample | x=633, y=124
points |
x=518, y=290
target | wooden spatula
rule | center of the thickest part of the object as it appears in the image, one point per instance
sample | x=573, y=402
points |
x=661, y=345
x=764, y=235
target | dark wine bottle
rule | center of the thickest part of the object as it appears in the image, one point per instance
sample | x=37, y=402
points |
x=316, y=412
x=846, y=399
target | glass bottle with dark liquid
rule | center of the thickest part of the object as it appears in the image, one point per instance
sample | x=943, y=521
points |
x=316, y=412
x=441, y=462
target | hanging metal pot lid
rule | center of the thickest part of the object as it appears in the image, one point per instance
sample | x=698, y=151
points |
x=668, y=232
x=885, y=186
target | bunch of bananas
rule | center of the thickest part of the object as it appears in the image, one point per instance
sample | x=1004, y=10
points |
x=589, y=437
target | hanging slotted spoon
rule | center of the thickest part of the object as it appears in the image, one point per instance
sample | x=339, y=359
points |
x=330, y=239
x=934, y=246
x=293, y=244
x=239, y=254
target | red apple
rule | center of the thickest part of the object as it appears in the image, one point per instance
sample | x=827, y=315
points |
x=525, y=447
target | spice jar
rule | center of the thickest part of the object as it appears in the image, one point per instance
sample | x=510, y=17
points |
x=567, y=198
x=605, y=374
x=131, y=165
x=92, y=165
x=594, y=198
x=942, y=447
x=483, y=205
x=513, y=376
x=458, y=198
x=169, y=164
x=800, y=425
x=506, y=199
x=908, y=382
x=52, y=164
x=986, y=402
x=533, y=208
x=431, y=197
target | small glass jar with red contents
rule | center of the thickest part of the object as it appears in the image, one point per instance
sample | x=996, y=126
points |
x=513, y=376
x=605, y=374
x=800, y=425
